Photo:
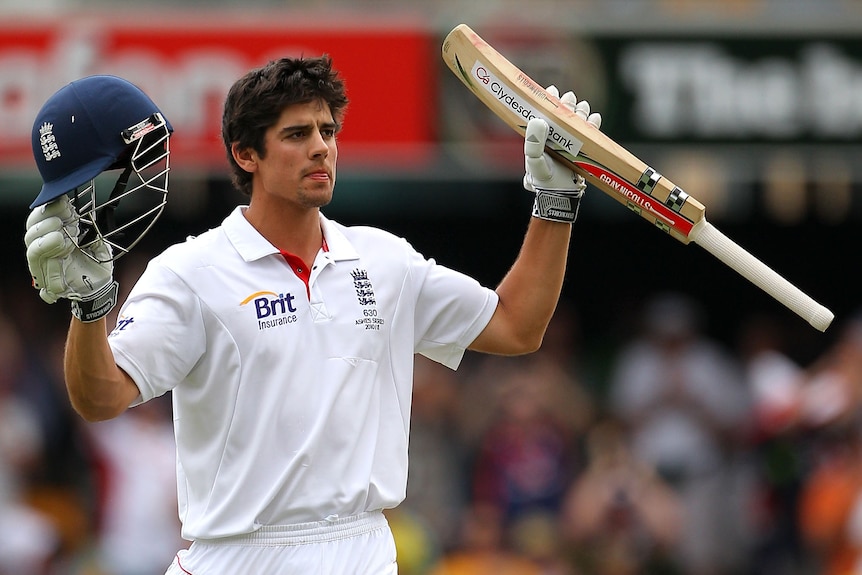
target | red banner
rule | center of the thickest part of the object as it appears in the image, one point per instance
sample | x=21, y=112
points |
x=186, y=64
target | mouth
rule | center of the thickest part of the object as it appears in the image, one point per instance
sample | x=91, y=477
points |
x=320, y=175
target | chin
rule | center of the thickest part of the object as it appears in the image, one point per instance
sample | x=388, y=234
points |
x=320, y=200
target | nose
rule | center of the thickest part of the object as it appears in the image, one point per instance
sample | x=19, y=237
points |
x=319, y=147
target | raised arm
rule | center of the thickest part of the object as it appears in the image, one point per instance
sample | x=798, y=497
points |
x=98, y=389
x=530, y=290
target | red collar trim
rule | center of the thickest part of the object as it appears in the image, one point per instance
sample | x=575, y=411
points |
x=298, y=266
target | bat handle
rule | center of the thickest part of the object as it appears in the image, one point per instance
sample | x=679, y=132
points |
x=712, y=240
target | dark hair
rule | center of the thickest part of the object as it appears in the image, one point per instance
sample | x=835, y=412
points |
x=255, y=102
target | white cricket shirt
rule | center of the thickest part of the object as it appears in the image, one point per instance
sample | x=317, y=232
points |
x=291, y=401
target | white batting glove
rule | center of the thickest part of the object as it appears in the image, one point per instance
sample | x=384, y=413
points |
x=558, y=189
x=61, y=270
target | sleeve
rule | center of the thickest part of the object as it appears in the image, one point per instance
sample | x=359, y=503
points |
x=452, y=309
x=159, y=335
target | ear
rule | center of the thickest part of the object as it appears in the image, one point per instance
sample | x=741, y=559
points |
x=246, y=158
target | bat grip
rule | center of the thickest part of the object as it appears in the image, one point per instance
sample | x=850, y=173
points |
x=712, y=240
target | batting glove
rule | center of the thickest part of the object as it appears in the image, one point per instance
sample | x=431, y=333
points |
x=558, y=189
x=62, y=270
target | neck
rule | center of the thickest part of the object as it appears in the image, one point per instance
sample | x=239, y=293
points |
x=298, y=233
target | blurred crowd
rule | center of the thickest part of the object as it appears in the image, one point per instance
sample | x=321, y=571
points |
x=677, y=454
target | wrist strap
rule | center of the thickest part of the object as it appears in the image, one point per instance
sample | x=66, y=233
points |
x=98, y=305
x=556, y=207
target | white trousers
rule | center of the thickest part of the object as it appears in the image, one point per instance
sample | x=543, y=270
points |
x=359, y=545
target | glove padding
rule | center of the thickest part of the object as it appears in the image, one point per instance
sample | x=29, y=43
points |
x=558, y=189
x=62, y=270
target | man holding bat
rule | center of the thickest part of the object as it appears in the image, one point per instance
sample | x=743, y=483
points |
x=287, y=339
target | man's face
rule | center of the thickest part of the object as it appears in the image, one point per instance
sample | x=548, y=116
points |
x=301, y=153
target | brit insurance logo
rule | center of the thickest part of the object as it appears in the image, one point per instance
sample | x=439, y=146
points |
x=272, y=309
x=365, y=297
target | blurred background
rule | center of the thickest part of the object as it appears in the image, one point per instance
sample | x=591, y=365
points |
x=677, y=420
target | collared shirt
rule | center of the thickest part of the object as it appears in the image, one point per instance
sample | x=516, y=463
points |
x=291, y=401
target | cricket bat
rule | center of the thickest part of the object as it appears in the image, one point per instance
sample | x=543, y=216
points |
x=516, y=98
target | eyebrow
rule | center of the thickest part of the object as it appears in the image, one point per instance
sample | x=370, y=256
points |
x=307, y=127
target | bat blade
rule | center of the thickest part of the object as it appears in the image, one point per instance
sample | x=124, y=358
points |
x=515, y=98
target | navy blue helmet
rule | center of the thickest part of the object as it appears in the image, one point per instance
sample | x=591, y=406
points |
x=93, y=125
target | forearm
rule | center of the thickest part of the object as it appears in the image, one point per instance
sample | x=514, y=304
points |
x=529, y=292
x=98, y=389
